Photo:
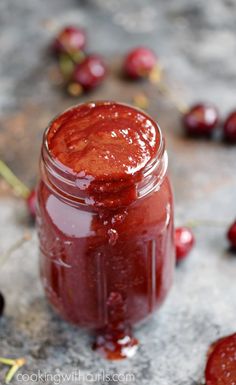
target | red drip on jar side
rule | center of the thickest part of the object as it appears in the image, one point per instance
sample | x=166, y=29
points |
x=115, y=341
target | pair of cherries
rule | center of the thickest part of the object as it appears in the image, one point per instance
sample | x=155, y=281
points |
x=203, y=120
x=88, y=71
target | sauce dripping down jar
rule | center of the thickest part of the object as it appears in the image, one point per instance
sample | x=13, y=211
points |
x=105, y=221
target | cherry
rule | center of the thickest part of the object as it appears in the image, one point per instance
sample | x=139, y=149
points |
x=2, y=304
x=221, y=363
x=139, y=62
x=90, y=73
x=231, y=234
x=184, y=241
x=69, y=40
x=31, y=203
x=200, y=120
x=230, y=128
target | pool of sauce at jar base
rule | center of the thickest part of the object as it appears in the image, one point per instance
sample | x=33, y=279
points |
x=115, y=341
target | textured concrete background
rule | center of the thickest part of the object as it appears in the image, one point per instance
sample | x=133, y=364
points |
x=196, y=43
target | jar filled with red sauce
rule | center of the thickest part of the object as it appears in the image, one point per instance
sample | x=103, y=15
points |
x=105, y=221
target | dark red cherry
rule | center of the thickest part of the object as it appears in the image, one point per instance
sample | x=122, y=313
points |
x=221, y=363
x=90, y=73
x=31, y=203
x=2, y=304
x=201, y=120
x=231, y=234
x=184, y=241
x=139, y=62
x=69, y=40
x=230, y=128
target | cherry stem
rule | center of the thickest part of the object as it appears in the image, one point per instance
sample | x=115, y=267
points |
x=140, y=100
x=156, y=77
x=19, y=187
x=165, y=91
x=3, y=258
x=7, y=361
x=196, y=223
x=15, y=365
x=70, y=56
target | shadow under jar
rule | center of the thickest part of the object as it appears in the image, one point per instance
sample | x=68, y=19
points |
x=105, y=221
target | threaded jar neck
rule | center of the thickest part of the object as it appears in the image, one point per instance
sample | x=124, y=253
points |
x=112, y=190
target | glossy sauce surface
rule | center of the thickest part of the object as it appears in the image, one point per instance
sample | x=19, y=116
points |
x=106, y=264
x=103, y=141
x=107, y=146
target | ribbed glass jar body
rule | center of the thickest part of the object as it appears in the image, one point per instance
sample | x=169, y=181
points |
x=105, y=264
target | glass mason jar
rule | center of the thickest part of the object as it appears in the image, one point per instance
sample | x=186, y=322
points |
x=105, y=225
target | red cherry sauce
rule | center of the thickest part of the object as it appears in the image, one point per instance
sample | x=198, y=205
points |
x=221, y=364
x=107, y=145
x=106, y=263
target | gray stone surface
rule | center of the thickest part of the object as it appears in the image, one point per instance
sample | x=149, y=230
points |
x=196, y=42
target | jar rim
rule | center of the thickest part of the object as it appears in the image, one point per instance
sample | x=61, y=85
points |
x=67, y=177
